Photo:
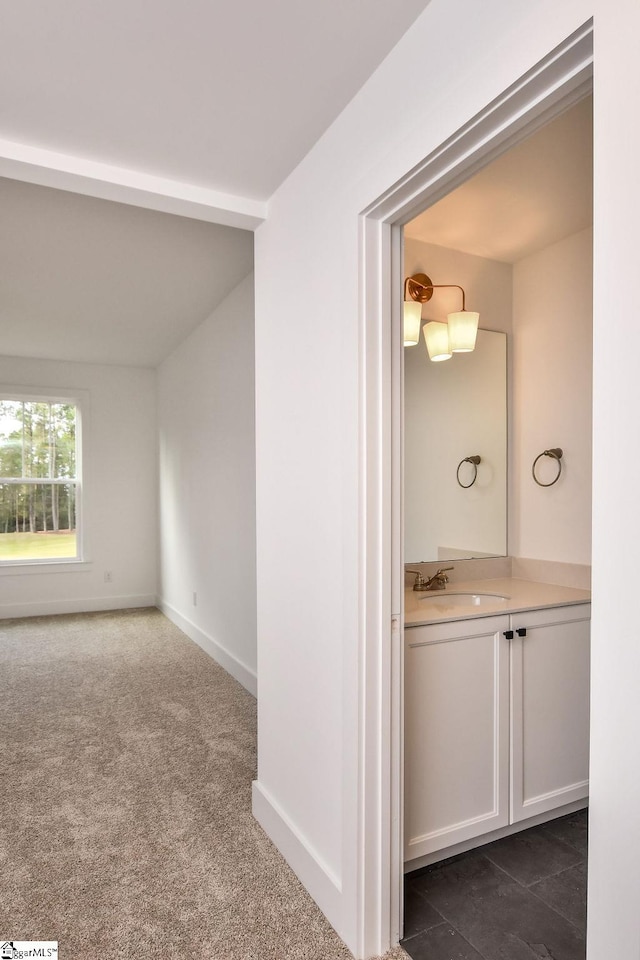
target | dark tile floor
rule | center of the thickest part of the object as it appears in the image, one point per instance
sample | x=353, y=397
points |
x=520, y=898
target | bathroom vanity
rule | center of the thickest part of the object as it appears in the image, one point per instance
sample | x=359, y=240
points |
x=496, y=711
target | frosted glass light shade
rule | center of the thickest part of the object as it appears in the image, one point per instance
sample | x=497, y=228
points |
x=412, y=321
x=436, y=336
x=463, y=328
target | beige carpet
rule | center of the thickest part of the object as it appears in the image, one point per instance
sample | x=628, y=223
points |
x=126, y=769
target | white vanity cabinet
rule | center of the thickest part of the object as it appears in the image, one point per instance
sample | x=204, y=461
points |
x=456, y=732
x=496, y=723
x=549, y=709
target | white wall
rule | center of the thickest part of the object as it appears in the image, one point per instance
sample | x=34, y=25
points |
x=119, y=493
x=552, y=377
x=308, y=482
x=207, y=485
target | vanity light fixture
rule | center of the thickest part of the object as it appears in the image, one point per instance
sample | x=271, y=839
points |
x=412, y=322
x=457, y=335
x=436, y=337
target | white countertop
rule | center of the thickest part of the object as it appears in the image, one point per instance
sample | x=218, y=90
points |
x=521, y=594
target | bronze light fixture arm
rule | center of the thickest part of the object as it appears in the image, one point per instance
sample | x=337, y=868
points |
x=420, y=288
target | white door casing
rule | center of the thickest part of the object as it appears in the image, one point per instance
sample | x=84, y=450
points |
x=562, y=78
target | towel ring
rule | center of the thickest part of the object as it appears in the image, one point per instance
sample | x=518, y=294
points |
x=556, y=454
x=475, y=461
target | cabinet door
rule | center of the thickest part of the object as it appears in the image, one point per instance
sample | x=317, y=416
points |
x=550, y=710
x=456, y=732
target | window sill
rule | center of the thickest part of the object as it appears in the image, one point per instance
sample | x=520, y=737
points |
x=9, y=569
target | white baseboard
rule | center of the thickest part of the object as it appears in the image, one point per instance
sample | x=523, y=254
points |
x=46, y=608
x=313, y=873
x=238, y=670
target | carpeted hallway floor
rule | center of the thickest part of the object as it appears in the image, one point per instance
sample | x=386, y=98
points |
x=126, y=829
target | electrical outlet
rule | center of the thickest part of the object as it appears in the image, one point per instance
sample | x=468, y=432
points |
x=195, y=599
x=108, y=576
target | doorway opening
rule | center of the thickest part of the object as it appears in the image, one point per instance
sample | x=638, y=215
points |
x=496, y=730
x=562, y=79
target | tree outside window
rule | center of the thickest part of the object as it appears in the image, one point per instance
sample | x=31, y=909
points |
x=38, y=480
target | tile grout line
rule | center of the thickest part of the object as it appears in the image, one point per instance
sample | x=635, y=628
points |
x=539, y=898
x=449, y=922
x=445, y=923
x=580, y=929
x=576, y=843
x=424, y=899
x=419, y=933
x=552, y=876
x=527, y=886
x=504, y=870
x=484, y=957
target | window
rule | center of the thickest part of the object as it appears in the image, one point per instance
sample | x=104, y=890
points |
x=39, y=480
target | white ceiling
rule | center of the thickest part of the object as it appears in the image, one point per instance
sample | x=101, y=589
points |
x=532, y=196
x=196, y=107
x=96, y=281
x=229, y=96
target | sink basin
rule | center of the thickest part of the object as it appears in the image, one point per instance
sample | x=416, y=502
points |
x=463, y=599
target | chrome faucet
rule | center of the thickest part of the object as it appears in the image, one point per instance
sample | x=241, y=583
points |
x=438, y=581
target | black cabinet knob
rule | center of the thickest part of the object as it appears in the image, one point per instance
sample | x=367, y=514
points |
x=508, y=634
x=521, y=631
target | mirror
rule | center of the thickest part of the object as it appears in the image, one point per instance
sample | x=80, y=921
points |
x=455, y=410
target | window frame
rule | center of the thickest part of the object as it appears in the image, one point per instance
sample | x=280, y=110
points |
x=80, y=400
